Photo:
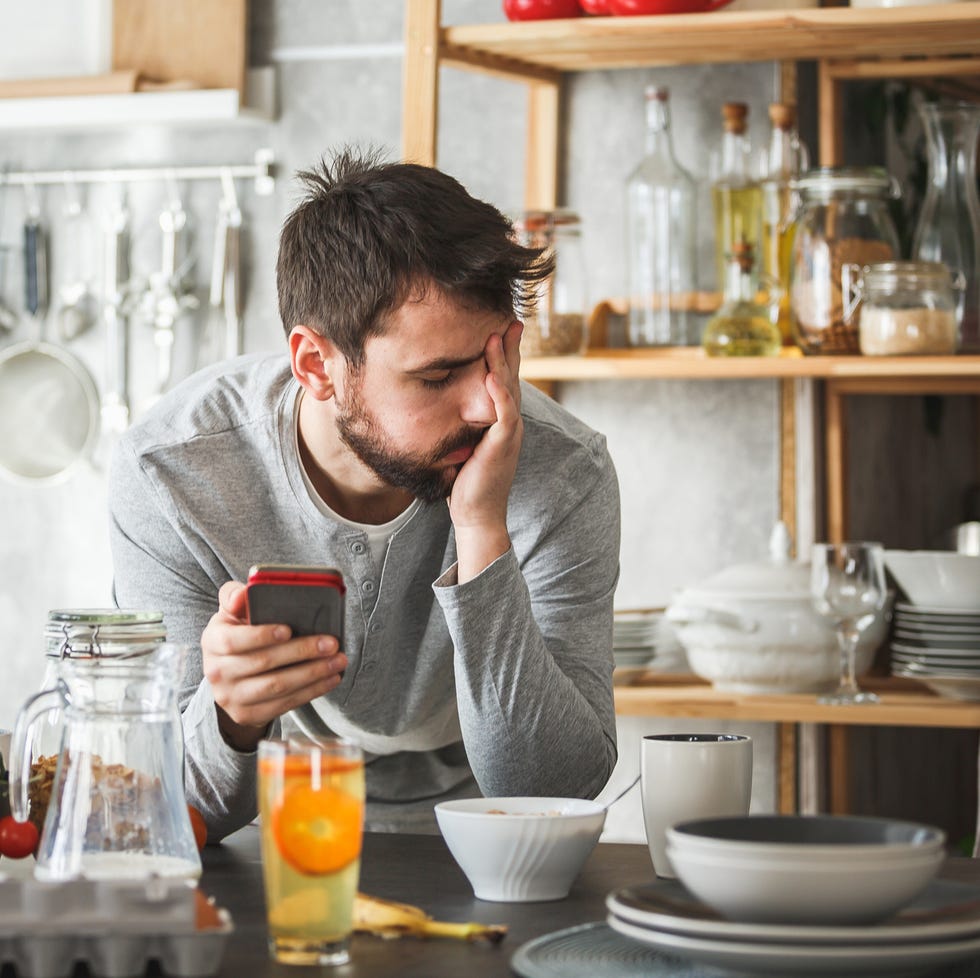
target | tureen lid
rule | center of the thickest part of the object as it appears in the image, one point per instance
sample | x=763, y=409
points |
x=779, y=576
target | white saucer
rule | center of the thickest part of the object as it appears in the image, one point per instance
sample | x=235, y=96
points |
x=805, y=960
x=943, y=614
x=946, y=909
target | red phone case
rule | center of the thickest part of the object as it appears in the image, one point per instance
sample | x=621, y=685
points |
x=310, y=600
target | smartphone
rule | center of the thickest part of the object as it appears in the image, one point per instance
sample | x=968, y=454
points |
x=307, y=598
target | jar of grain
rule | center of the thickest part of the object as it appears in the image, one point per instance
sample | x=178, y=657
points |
x=908, y=307
x=558, y=325
x=844, y=221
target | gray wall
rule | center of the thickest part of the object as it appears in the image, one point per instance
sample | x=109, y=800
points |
x=697, y=460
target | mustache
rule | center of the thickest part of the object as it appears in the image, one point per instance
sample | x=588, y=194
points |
x=467, y=438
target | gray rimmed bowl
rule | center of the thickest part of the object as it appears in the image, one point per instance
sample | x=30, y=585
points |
x=805, y=869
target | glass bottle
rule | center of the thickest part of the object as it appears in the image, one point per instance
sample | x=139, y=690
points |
x=786, y=159
x=742, y=327
x=662, y=223
x=948, y=229
x=735, y=195
x=558, y=325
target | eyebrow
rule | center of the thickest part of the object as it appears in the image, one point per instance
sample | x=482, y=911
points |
x=444, y=363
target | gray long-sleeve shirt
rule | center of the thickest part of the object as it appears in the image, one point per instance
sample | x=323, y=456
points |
x=501, y=685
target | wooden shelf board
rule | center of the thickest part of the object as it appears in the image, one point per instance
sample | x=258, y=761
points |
x=904, y=703
x=593, y=43
x=691, y=363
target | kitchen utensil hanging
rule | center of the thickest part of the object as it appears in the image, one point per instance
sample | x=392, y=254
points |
x=223, y=331
x=115, y=305
x=8, y=318
x=49, y=416
x=78, y=305
x=167, y=298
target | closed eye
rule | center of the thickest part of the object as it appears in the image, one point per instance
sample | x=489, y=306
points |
x=434, y=383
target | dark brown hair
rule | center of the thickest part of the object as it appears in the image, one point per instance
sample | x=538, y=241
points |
x=370, y=234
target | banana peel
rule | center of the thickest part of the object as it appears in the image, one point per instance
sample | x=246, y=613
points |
x=388, y=919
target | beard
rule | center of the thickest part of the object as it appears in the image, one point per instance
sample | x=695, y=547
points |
x=421, y=475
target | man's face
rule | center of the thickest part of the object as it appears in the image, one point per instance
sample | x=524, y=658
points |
x=419, y=405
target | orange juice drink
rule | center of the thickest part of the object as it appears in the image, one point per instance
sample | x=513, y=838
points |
x=311, y=807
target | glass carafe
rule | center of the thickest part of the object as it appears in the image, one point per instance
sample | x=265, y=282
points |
x=948, y=228
x=117, y=808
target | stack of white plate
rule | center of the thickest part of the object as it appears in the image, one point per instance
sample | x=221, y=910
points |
x=938, y=646
x=941, y=926
x=635, y=638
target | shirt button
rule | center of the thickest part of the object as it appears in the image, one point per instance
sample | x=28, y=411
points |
x=357, y=548
x=376, y=627
x=368, y=587
x=368, y=667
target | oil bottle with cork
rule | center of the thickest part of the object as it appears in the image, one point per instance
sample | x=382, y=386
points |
x=785, y=160
x=742, y=327
x=736, y=196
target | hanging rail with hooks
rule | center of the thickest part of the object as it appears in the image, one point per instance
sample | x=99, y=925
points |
x=261, y=171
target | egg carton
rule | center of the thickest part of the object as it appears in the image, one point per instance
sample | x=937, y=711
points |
x=113, y=927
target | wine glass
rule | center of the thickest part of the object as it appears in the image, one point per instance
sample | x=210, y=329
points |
x=847, y=585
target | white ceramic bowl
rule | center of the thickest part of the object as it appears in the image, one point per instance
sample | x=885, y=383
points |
x=520, y=849
x=937, y=578
x=805, y=869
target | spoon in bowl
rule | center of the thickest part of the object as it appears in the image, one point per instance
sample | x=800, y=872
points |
x=608, y=804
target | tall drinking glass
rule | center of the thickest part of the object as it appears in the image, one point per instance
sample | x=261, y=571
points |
x=311, y=808
x=847, y=584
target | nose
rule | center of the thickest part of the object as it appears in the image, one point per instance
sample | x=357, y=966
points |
x=477, y=407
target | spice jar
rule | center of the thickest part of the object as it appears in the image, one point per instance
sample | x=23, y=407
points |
x=843, y=220
x=907, y=307
x=557, y=325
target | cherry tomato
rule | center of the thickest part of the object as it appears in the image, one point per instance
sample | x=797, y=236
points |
x=598, y=7
x=199, y=826
x=17, y=839
x=541, y=9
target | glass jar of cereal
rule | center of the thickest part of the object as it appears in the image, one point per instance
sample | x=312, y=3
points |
x=844, y=221
x=558, y=325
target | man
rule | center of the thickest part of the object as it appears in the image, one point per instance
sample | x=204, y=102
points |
x=475, y=522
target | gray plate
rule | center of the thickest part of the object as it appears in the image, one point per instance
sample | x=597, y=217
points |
x=947, y=909
x=596, y=951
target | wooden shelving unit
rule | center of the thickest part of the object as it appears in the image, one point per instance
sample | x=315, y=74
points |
x=847, y=43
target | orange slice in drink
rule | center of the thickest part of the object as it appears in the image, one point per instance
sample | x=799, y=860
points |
x=318, y=830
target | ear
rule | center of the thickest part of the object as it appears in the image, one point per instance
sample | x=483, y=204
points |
x=315, y=361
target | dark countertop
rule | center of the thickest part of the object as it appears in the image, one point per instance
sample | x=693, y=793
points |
x=416, y=869
x=419, y=869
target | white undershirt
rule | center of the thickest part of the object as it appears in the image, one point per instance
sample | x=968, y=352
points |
x=378, y=534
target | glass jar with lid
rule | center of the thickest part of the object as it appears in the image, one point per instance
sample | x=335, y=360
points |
x=844, y=220
x=77, y=632
x=907, y=307
x=558, y=324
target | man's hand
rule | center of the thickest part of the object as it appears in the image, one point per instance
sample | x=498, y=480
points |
x=478, y=502
x=257, y=672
